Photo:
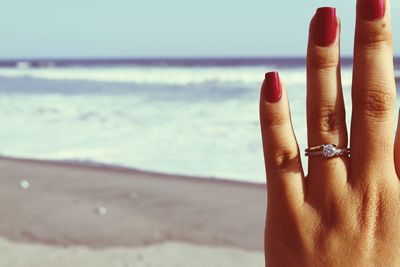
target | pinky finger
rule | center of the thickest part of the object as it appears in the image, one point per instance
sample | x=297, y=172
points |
x=285, y=176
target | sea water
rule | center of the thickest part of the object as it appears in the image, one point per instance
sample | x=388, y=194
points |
x=180, y=116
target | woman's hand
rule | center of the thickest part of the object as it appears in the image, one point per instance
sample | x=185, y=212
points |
x=346, y=212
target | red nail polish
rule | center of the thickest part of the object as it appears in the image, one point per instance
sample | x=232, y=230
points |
x=325, y=26
x=372, y=9
x=272, y=87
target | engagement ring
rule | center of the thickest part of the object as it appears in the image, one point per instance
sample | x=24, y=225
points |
x=327, y=151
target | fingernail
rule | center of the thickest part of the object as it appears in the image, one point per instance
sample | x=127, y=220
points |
x=272, y=87
x=372, y=9
x=325, y=26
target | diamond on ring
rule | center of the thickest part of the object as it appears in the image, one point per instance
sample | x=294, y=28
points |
x=329, y=150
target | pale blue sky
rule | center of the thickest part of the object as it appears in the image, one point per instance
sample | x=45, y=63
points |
x=161, y=28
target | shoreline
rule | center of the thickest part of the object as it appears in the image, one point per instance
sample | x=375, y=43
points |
x=142, y=208
x=123, y=169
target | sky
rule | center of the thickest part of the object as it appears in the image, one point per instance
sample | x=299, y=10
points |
x=173, y=28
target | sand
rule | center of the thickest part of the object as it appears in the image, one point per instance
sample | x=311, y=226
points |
x=170, y=254
x=69, y=214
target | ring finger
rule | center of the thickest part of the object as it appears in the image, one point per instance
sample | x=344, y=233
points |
x=325, y=106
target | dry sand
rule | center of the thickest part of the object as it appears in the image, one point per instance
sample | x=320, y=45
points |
x=171, y=254
x=82, y=215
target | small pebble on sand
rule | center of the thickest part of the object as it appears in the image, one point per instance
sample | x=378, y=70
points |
x=101, y=210
x=23, y=184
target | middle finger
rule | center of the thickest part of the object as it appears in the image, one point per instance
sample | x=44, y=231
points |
x=325, y=106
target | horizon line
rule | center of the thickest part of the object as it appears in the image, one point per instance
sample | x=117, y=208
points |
x=162, y=58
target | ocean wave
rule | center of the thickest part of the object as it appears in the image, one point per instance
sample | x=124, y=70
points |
x=164, y=76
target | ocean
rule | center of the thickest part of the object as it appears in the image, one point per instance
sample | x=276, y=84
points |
x=179, y=116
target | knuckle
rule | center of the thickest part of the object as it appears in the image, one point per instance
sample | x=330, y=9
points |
x=283, y=158
x=272, y=120
x=328, y=120
x=322, y=59
x=376, y=103
x=375, y=36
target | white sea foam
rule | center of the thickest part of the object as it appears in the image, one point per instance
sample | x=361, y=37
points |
x=155, y=75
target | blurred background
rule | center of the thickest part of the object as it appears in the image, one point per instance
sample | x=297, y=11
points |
x=163, y=86
x=97, y=90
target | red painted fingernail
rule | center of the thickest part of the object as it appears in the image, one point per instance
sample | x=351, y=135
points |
x=325, y=26
x=272, y=87
x=372, y=9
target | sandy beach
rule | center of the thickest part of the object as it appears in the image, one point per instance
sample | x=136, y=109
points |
x=70, y=214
